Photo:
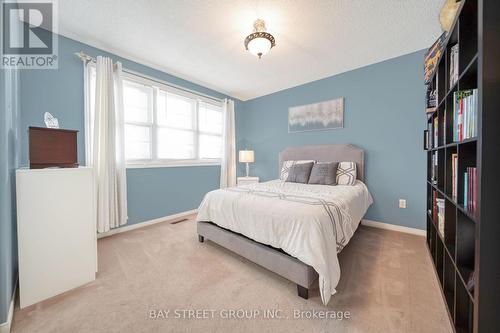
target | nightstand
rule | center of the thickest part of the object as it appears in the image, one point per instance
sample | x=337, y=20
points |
x=247, y=180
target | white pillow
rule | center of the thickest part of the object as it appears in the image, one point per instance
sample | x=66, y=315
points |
x=285, y=167
x=346, y=173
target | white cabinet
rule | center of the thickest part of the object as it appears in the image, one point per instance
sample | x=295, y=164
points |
x=247, y=180
x=56, y=230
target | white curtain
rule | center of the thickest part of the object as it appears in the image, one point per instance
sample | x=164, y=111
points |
x=228, y=160
x=106, y=143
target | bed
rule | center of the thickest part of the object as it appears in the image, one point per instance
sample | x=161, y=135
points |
x=295, y=230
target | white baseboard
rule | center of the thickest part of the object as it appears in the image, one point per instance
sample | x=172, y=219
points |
x=393, y=227
x=5, y=327
x=146, y=223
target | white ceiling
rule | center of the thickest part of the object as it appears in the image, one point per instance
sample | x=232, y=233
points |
x=202, y=41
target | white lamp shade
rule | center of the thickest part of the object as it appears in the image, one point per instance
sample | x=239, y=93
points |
x=246, y=156
x=259, y=46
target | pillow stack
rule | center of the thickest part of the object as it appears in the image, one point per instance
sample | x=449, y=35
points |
x=320, y=173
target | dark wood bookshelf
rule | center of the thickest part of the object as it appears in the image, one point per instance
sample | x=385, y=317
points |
x=465, y=246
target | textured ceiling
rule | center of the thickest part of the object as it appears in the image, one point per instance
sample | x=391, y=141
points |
x=202, y=41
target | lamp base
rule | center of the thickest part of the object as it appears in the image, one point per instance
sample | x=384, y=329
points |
x=248, y=169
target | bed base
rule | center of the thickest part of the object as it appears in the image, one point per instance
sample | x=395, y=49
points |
x=266, y=256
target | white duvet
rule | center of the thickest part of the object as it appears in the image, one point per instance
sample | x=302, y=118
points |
x=310, y=222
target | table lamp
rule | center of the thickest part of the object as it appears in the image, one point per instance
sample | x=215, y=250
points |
x=247, y=156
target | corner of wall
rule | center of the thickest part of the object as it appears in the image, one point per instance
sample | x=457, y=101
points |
x=9, y=162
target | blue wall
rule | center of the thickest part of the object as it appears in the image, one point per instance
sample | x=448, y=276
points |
x=9, y=161
x=176, y=189
x=152, y=192
x=384, y=114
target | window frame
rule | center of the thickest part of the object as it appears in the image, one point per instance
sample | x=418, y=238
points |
x=154, y=161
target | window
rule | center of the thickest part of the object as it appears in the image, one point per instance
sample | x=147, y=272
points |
x=176, y=119
x=138, y=111
x=167, y=126
x=210, y=120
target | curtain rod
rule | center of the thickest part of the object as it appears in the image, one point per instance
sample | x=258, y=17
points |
x=85, y=57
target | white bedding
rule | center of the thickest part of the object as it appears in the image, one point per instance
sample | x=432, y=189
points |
x=310, y=222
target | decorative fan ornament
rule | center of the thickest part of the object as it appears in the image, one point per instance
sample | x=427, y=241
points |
x=448, y=13
x=50, y=120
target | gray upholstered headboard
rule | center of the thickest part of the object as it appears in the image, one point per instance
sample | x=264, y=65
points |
x=327, y=153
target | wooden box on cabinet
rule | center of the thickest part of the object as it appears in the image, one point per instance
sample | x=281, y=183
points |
x=52, y=147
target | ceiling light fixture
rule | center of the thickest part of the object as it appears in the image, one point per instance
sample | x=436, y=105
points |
x=259, y=42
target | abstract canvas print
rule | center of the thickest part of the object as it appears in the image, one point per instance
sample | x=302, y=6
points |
x=315, y=117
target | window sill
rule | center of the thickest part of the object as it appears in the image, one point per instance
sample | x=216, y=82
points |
x=171, y=164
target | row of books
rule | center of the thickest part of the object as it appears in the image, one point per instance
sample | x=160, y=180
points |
x=438, y=212
x=431, y=95
x=470, y=189
x=453, y=65
x=432, y=56
x=469, y=183
x=432, y=137
x=430, y=100
x=434, y=206
x=465, y=110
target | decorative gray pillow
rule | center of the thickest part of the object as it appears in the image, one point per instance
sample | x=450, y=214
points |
x=299, y=173
x=285, y=168
x=324, y=174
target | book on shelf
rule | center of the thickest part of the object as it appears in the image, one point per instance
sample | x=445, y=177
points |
x=430, y=135
x=434, y=206
x=430, y=100
x=474, y=189
x=470, y=189
x=466, y=188
x=453, y=65
x=434, y=168
x=465, y=109
x=435, y=130
x=440, y=210
x=443, y=132
x=433, y=175
x=454, y=176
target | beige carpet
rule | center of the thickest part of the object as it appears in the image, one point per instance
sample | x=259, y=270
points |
x=387, y=285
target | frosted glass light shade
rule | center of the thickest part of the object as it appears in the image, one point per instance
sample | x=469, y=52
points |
x=259, y=46
x=246, y=156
